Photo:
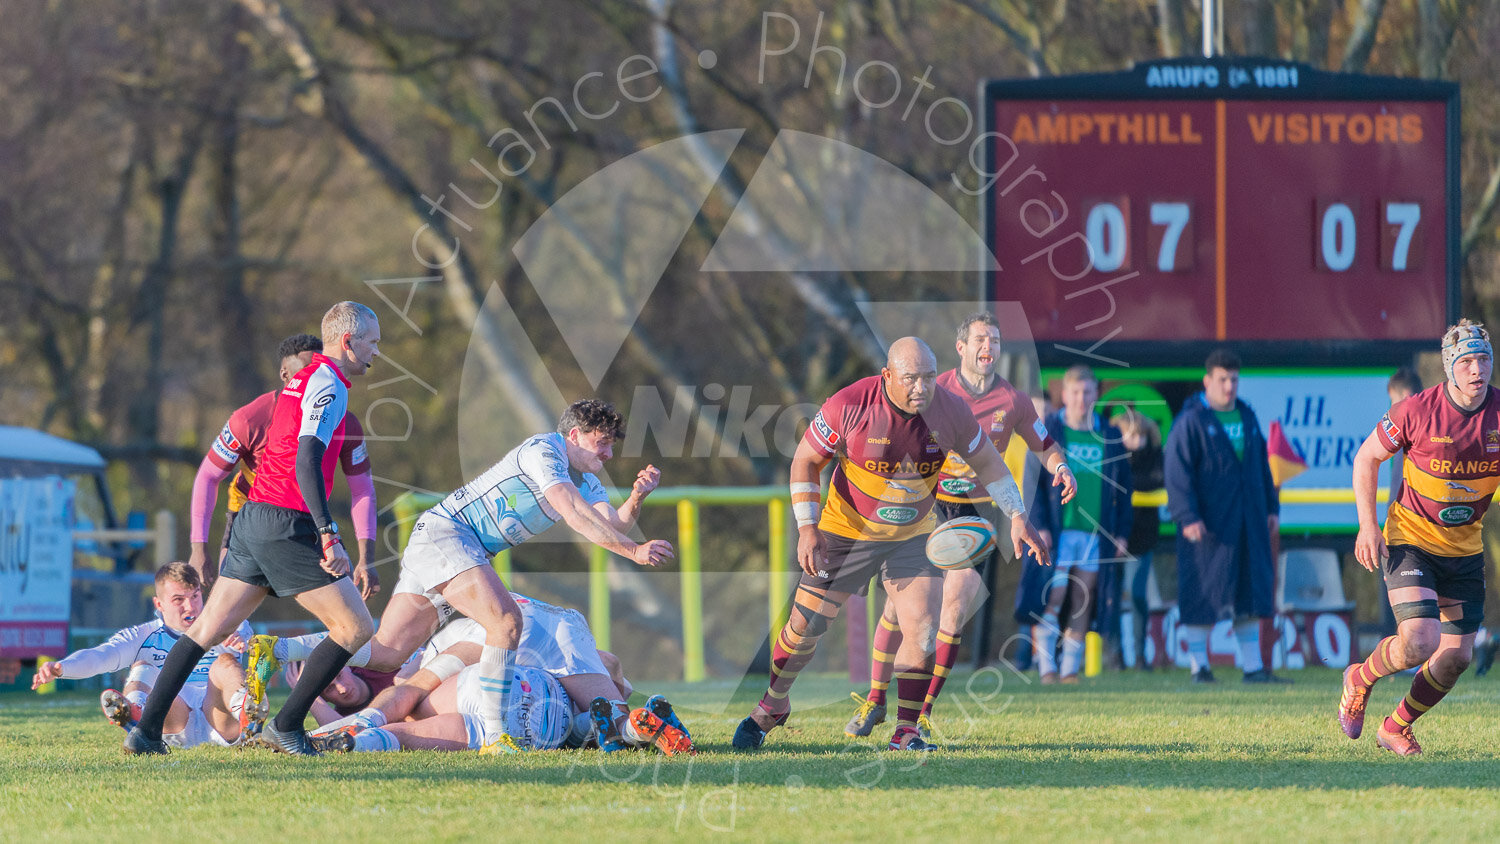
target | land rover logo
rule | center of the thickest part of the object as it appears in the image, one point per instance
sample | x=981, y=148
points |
x=1456, y=515
x=955, y=486
x=897, y=515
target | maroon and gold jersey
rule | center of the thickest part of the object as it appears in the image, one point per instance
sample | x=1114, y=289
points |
x=1451, y=469
x=1001, y=411
x=888, y=461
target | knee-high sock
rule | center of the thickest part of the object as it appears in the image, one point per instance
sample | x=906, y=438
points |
x=325, y=663
x=1197, y=645
x=883, y=659
x=180, y=662
x=1072, y=656
x=942, y=664
x=1045, y=634
x=1424, y=695
x=297, y=648
x=1247, y=633
x=375, y=740
x=792, y=651
x=789, y=655
x=911, y=689
x=1383, y=660
x=496, y=671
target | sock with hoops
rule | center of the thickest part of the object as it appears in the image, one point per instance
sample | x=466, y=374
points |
x=1424, y=695
x=496, y=672
x=883, y=659
x=942, y=664
x=1381, y=663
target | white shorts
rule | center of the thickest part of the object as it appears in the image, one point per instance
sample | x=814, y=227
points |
x=198, y=730
x=438, y=551
x=540, y=715
x=554, y=639
x=1078, y=549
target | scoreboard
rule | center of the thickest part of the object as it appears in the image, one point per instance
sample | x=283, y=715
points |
x=1299, y=215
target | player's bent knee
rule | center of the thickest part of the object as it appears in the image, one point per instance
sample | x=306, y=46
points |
x=812, y=624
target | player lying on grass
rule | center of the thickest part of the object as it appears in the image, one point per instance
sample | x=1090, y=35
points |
x=212, y=706
x=559, y=667
x=445, y=568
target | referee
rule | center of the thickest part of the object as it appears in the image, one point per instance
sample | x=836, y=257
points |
x=284, y=543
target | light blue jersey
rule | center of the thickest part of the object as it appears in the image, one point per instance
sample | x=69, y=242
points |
x=505, y=506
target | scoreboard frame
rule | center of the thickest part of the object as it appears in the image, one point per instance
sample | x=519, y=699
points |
x=1214, y=81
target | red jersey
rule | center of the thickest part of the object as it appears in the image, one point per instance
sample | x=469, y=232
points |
x=1000, y=411
x=888, y=461
x=243, y=441
x=1451, y=469
x=312, y=404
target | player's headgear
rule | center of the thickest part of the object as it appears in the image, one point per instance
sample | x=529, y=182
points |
x=1465, y=338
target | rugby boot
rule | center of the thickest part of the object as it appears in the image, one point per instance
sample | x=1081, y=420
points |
x=1352, y=705
x=865, y=717
x=654, y=731
x=119, y=711
x=1265, y=676
x=749, y=735
x=607, y=734
x=136, y=744
x=1401, y=742
x=504, y=744
x=924, y=727
x=658, y=706
x=261, y=668
x=337, y=741
x=907, y=737
x=292, y=742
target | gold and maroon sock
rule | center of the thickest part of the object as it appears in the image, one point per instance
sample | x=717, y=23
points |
x=1382, y=661
x=1424, y=695
x=792, y=651
x=911, y=690
x=883, y=660
x=947, y=654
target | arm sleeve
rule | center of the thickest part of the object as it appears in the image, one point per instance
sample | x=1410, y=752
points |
x=117, y=653
x=362, y=504
x=1178, y=470
x=823, y=432
x=1033, y=430
x=205, y=498
x=310, y=451
x=353, y=456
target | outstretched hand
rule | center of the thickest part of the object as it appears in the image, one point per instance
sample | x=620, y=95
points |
x=653, y=553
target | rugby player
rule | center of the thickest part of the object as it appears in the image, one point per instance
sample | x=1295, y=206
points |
x=211, y=706
x=241, y=443
x=890, y=434
x=445, y=568
x=558, y=667
x=1001, y=410
x=1431, y=551
x=284, y=543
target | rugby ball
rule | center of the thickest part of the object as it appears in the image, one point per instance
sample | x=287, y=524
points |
x=961, y=543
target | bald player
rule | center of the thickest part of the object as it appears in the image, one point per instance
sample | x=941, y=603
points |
x=890, y=435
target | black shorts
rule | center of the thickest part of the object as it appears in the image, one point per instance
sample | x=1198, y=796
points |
x=228, y=525
x=949, y=510
x=277, y=549
x=1452, y=578
x=852, y=562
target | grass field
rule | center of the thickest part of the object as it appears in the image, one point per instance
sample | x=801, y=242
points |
x=1122, y=757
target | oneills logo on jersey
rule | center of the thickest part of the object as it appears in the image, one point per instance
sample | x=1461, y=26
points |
x=879, y=441
x=1442, y=439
